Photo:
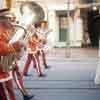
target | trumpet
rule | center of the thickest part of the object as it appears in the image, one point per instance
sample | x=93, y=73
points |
x=33, y=30
x=30, y=32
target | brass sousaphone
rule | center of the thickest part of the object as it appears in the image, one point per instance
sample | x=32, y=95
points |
x=37, y=11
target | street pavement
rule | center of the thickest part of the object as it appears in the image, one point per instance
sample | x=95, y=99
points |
x=70, y=76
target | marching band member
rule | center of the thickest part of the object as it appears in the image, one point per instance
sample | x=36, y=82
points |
x=6, y=85
x=17, y=76
x=43, y=28
x=35, y=48
x=33, y=44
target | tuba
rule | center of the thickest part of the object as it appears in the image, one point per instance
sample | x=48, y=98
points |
x=21, y=33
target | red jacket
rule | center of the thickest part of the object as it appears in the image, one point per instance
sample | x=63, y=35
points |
x=5, y=49
x=33, y=43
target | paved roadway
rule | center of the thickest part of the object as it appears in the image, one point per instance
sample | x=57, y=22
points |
x=69, y=78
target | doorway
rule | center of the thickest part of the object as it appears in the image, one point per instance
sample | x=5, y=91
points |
x=62, y=28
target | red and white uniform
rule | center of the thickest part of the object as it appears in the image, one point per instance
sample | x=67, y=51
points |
x=18, y=78
x=33, y=47
x=6, y=86
x=41, y=48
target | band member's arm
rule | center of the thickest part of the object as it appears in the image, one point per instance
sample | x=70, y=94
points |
x=6, y=48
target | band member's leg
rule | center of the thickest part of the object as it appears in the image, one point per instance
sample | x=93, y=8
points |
x=19, y=81
x=28, y=61
x=10, y=88
x=37, y=64
x=7, y=91
x=2, y=92
x=44, y=58
x=34, y=62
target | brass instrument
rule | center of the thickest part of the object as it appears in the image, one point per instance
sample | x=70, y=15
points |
x=36, y=31
x=7, y=62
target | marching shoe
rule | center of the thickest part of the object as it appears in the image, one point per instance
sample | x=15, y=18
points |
x=41, y=75
x=27, y=75
x=28, y=97
x=47, y=67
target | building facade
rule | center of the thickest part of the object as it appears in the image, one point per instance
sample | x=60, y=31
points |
x=68, y=20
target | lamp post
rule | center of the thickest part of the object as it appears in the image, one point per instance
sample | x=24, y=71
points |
x=68, y=30
x=97, y=77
